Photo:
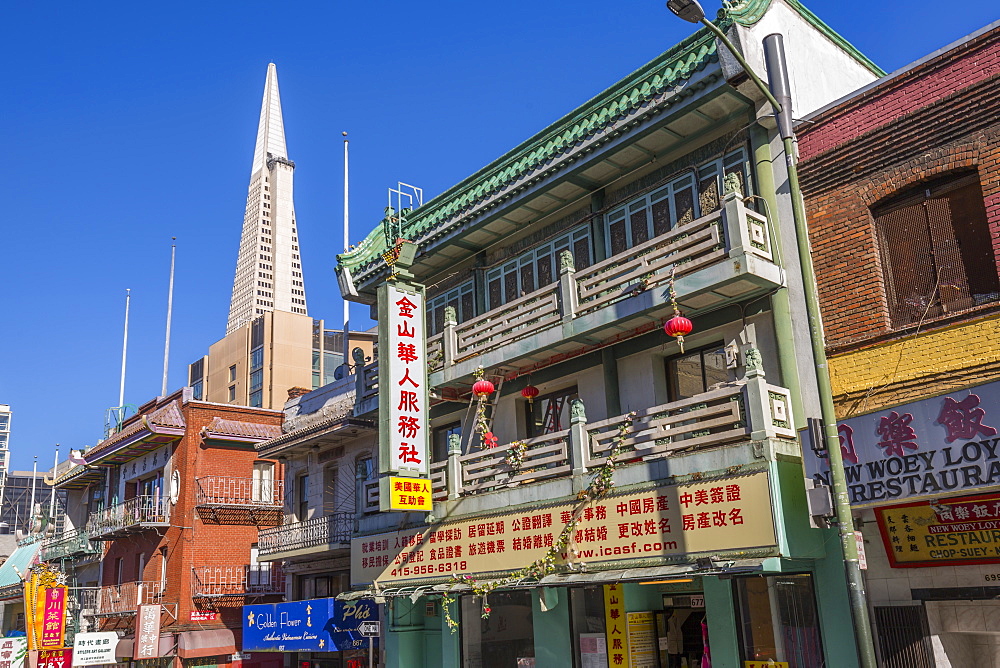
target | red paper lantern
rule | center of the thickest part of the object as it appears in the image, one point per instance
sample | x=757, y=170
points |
x=482, y=388
x=529, y=392
x=678, y=326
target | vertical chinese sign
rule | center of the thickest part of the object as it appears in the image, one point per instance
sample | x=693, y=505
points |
x=45, y=607
x=615, y=624
x=402, y=381
x=147, y=632
x=13, y=652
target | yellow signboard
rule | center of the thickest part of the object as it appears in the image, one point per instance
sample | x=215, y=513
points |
x=712, y=516
x=959, y=530
x=407, y=494
x=45, y=607
x=616, y=625
x=641, y=640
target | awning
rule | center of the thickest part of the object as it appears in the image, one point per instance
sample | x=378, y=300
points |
x=209, y=642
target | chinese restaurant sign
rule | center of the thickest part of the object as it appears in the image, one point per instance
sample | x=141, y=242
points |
x=45, y=607
x=315, y=625
x=410, y=494
x=959, y=530
x=925, y=448
x=91, y=649
x=147, y=632
x=55, y=658
x=725, y=514
x=402, y=381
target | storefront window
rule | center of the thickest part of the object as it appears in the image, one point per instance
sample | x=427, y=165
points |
x=549, y=413
x=589, y=632
x=778, y=621
x=501, y=639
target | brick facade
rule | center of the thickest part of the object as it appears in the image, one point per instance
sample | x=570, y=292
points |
x=939, y=117
x=190, y=541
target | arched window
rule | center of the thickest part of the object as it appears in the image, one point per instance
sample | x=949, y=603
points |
x=937, y=255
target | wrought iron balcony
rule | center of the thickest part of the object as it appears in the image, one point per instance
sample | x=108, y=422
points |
x=125, y=598
x=230, y=500
x=72, y=543
x=241, y=580
x=318, y=534
x=136, y=514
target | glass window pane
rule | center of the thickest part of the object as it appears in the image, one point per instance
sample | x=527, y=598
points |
x=527, y=278
x=686, y=376
x=502, y=638
x=510, y=290
x=467, y=307
x=714, y=362
x=639, y=226
x=684, y=205
x=708, y=199
x=778, y=620
x=619, y=242
x=581, y=253
x=661, y=217
x=550, y=413
x=494, y=293
x=544, y=266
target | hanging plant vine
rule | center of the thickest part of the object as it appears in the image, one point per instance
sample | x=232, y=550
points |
x=599, y=486
x=482, y=389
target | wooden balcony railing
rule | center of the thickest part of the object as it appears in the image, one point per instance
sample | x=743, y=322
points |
x=134, y=514
x=323, y=531
x=732, y=233
x=126, y=597
x=237, y=580
x=229, y=491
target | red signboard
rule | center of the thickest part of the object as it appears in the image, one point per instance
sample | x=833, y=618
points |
x=55, y=658
x=204, y=616
x=54, y=624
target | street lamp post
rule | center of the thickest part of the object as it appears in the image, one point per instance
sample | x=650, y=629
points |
x=691, y=11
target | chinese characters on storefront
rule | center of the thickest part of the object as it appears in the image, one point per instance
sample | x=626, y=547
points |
x=147, y=632
x=614, y=623
x=402, y=386
x=13, y=652
x=930, y=447
x=408, y=494
x=713, y=516
x=962, y=529
x=45, y=607
x=92, y=649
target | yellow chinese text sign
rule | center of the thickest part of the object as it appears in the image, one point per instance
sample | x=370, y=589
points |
x=959, y=530
x=407, y=494
x=713, y=516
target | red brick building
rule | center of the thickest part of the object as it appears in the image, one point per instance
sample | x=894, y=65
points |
x=176, y=497
x=902, y=186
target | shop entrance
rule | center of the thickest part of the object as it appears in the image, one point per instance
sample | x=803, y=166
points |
x=682, y=631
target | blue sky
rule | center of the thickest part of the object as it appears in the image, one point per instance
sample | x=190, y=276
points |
x=126, y=124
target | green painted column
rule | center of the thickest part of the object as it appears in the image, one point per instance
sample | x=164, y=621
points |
x=597, y=226
x=612, y=392
x=451, y=642
x=834, y=606
x=553, y=640
x=780, y=305
x=404, y=639
x=720, y=612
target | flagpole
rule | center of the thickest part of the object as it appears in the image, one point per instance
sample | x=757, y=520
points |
x=347, y=241
x=121, y=387
x=31, y=509
x=170, y=310
x=52, y=492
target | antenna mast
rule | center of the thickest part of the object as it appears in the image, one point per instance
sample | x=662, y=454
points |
x=347, y=242
x=121, y=387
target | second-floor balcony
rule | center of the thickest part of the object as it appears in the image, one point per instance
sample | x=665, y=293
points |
x=136, y=514
x=125, y=598
x=313, y=536
x=234, y=500
x=723, y=257
x=73, y=543
x=237, y=580
x=741, y=411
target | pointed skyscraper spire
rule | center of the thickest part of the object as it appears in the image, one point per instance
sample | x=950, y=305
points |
x=269, y=266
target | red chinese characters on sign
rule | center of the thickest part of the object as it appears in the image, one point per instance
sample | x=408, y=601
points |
x=964, y=419
x=406, y=381
x=54, y=622
x=896, y=434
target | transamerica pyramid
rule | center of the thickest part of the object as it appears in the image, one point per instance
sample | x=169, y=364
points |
x=269, y=265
